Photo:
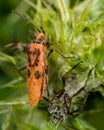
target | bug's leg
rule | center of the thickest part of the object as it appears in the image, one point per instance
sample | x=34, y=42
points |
x=64, y=80
x=82, y=104
x=67, y=73
x=86, y=95
x=54, y=50
x=77, y=112
x=48, y=94
x=46, y=99
x=58, y=94
x=88, y=76
x=10, y=46
x=14, y=46
x=46, y=74
x=19, y=71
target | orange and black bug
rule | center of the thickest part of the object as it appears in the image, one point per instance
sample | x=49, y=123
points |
x=36, y=68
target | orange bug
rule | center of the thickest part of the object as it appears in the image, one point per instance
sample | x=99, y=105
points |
x=36, y=68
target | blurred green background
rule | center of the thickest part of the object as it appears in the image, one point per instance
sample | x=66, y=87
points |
x=80, y=23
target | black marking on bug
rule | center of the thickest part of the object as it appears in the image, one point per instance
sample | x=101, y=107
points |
x=38, y=41
x=28, y=73
x=37, y=74
x=37, y=51
x=36, y=62
x=31, y=54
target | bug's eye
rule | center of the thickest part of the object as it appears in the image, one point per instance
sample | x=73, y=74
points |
x=39, y=39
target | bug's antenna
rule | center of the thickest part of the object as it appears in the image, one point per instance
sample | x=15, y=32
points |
x=42, y=28
x=26, y=18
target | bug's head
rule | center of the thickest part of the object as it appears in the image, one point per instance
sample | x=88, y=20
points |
x=40, y=36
